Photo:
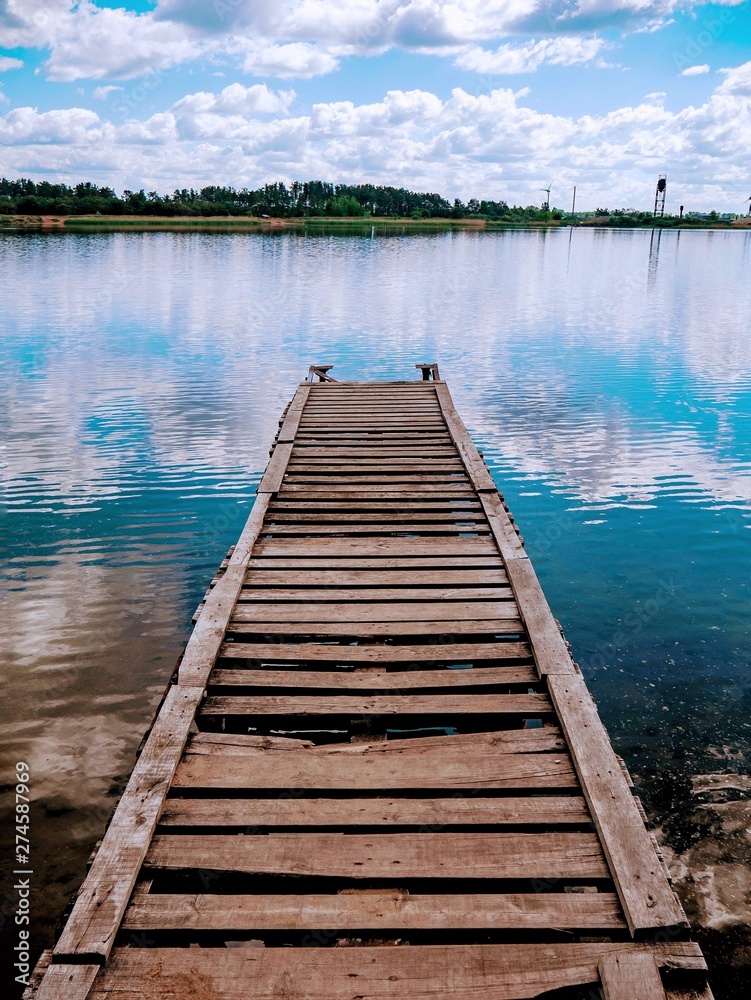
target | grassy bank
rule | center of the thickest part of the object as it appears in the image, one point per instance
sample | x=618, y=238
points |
x=245, y=223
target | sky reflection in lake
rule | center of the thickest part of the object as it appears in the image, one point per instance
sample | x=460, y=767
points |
x=606, y=375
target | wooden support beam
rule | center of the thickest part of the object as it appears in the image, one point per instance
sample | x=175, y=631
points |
x=647, y=899
x=89, y=933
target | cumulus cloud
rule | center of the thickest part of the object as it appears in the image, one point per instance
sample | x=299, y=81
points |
x=306, y=38
x=6, y=63
x=71, y=127
x=102, y=93
x=491, y=144
x=567, y=50
x=296, y=59
x=695, y=70
x=237, y=100
x=737, y=81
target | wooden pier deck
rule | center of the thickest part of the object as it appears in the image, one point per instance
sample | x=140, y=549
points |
x=378, y=773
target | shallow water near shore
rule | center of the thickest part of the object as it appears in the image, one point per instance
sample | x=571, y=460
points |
x=606, y=375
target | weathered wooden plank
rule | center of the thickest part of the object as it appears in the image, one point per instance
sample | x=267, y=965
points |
x=545, y=810
x=647, y=899
x=631, y=976
x=393, y=491
x=348, y=680
x=549, y=647
x=92, y=925
x=276, y=469
x=393, y=450
x=283, y=530
x=358, y=856
x=406, y=565
x=389, y=579
x=374, y=594
x=465, y=768
x=358, y=420
x=323, y=515
x=412, y=506
x=377, y=911
x=384, y=470
x=463, y=530
x=420, y=972
x=402, y=547
x=508, y=540
x=381, y=463
x=66, y=982
x=356, y=474
x=503, y=741
x=292, y=417
x=390, y=705
x=295, y=611
x=449, y=652
x=367, y=630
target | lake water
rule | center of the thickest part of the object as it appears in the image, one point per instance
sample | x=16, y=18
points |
x=605, y=374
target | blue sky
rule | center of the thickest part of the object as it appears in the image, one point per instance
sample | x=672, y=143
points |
x=485, y=98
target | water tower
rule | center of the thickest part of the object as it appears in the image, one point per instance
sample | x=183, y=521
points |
x=662, y=186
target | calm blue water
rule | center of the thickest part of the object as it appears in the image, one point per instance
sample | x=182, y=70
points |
x=606, y=375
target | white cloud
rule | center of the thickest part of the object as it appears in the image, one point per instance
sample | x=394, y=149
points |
x=65, y=128
x=305, y=38
x=237, y=100
x=96, y=43
x=737, y=80
x=296, y=59
x=6, y=63
x=488, y=145
x=102, y=93
x=696, y=70
x=567, y=50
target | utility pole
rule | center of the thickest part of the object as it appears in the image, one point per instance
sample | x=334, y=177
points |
x=573, y=203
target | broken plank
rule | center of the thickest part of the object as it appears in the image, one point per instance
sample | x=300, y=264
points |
x=66, y=982
x=420, y=972
x=630, y=976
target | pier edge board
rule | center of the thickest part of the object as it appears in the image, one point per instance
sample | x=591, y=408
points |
x=89, y=933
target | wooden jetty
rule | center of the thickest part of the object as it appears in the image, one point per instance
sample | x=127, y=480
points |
x=378, y=773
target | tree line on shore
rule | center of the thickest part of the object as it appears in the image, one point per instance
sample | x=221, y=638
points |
x=279, y=200
x=309, y=199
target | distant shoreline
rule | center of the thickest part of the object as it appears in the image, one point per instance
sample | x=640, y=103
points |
x=60, y=223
